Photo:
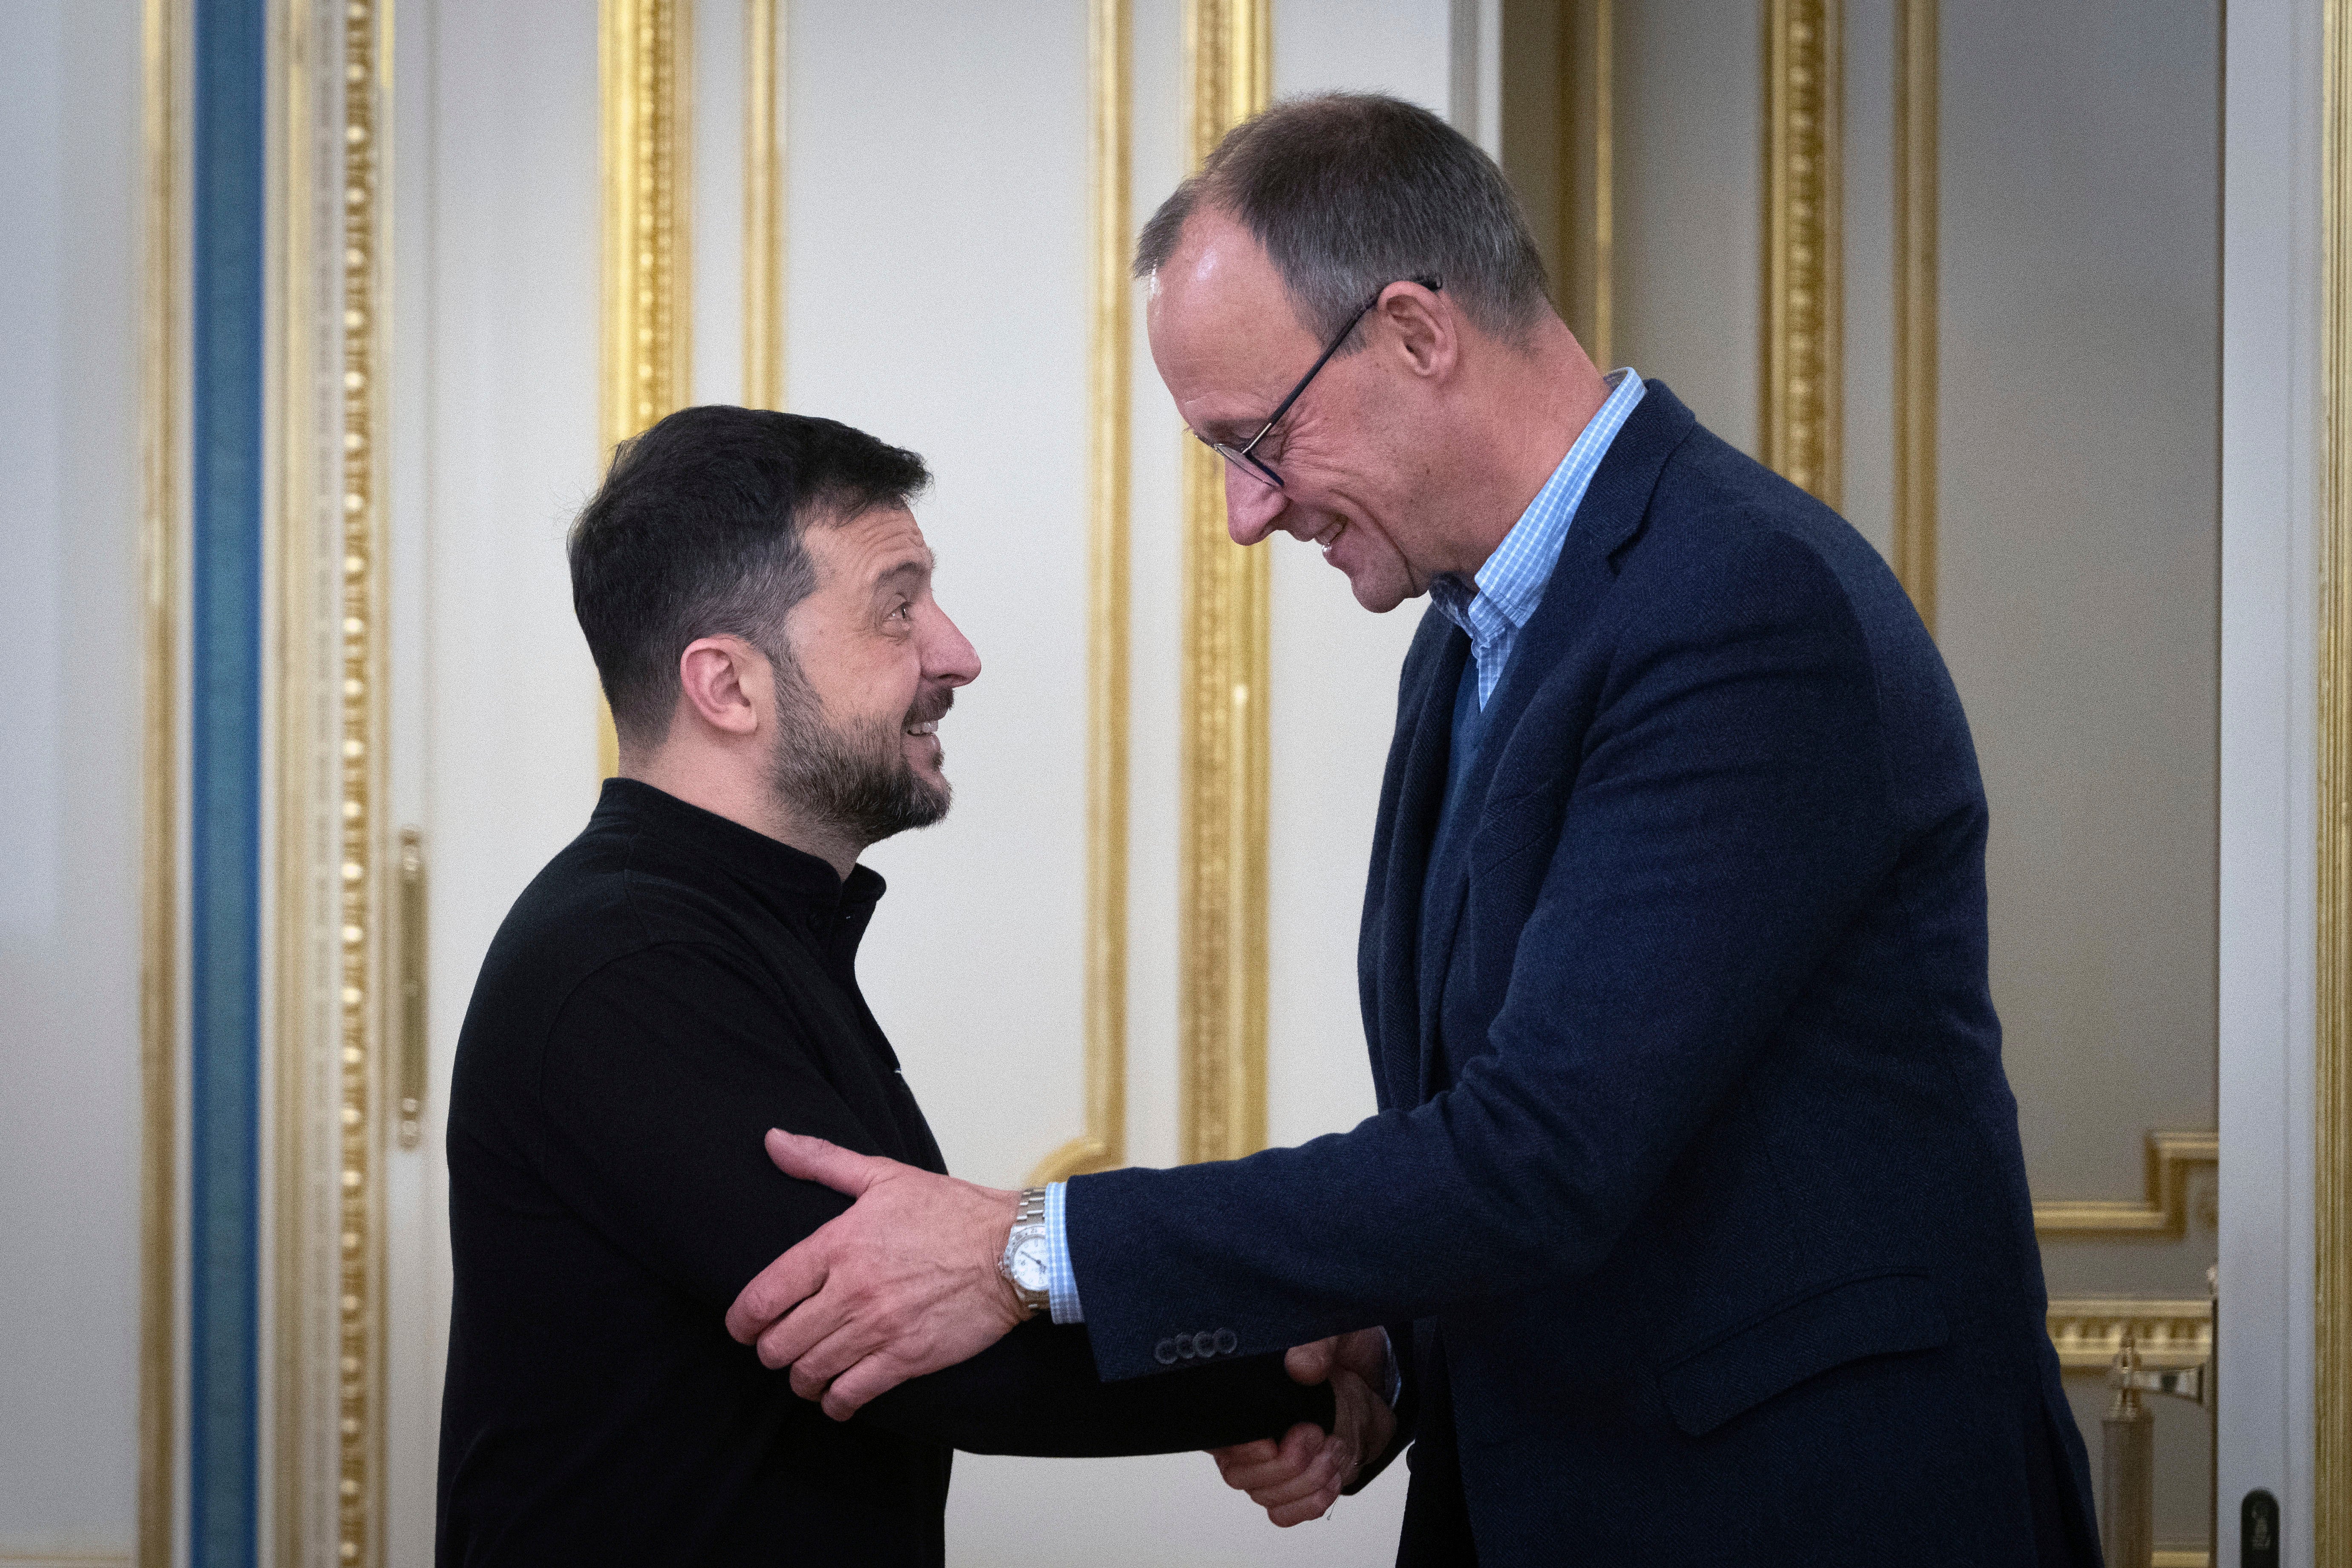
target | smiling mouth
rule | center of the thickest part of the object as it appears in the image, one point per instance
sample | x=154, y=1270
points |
x=928, y=727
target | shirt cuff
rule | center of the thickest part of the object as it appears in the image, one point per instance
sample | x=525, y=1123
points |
x=1060, y=1280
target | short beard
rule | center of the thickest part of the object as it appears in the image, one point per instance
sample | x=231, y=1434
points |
x=856, y=780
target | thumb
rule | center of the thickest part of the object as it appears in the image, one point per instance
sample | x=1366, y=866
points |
x=814, y=1160
x=1311, y=1364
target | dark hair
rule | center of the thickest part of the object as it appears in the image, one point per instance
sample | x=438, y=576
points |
x=696, y=532
x=1350, y=191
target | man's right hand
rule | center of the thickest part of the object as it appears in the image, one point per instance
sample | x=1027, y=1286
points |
x=1301, y=1475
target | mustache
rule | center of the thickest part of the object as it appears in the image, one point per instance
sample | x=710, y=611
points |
x=932, y=705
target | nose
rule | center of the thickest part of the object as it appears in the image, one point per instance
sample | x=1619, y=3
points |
x=948, y=657
x=1252, y=506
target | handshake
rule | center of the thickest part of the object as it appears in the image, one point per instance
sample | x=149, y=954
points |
x=1300, y=1477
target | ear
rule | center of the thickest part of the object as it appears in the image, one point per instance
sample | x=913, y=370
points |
x=725, y=683
x=1425, y=335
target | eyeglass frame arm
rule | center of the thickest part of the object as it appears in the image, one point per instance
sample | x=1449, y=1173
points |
x=1433, y=284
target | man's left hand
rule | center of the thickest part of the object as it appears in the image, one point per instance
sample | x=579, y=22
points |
x=905, y=1283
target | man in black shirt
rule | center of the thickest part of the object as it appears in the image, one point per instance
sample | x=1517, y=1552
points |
x=679, y=980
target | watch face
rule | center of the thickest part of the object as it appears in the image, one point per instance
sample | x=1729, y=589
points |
x=1029, y=1269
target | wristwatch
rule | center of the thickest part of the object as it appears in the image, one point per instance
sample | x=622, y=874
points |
x=1024, y=1263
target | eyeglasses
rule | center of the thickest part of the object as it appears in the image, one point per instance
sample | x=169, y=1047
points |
x=1239, y=457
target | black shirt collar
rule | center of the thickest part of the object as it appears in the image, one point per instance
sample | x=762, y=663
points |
x=794, y=878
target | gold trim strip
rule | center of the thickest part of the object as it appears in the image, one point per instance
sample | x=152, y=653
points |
x=2332, y=1154
x=1800, y=411
x=2089, y=1331
x=1103, y=1144
x=163, y=529
x=645, y=351
x=1587, y=163
x=1223, y=940
x=1916, y=210
x=763, y=206
x=327, y=717
x=2164, y=1211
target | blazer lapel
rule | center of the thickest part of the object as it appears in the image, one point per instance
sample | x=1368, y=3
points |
x=1610, y=513
x=1420, y=791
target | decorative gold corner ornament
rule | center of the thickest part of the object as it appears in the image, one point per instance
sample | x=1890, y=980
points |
x=2332, y=1144
x=327, y=551
x=1103, y=1144
x=1223, y=940
x=2172, y=1157
x=1588, y=183
x=645, y=350
x=1915, y=301
x=1799, y=410
x=162, y=569
x=763, y=206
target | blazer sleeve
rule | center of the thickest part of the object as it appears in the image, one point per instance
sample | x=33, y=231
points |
x=1728, y=814
x=662, y=1073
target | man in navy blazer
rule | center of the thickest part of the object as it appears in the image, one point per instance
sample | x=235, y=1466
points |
x=1693, y=1212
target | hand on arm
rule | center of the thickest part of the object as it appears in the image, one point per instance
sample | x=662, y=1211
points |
x=1300, y=1477
x=905, y=1283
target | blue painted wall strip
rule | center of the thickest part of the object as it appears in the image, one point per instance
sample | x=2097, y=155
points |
x=228, y=153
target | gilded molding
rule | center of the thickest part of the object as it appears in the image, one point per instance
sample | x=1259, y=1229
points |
x=164, y=534
x=1915, y=301
x=2168, y=1334
x=763, y=206
x=1103, y=1144
x=1223, y=936
x=1799, y=409
x=1588, y=183
x=327, y=717
x=2332, y=1144
x=644, y=348
x=2172, y=1158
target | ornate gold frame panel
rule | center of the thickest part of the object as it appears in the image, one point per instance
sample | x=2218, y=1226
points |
x=2172, y=1159
x=1588, y=174
x=1228, y=48
x=163, y=534
x=327, y=727
x=763, y=205
x=1103, y=1144
x=2332, y=1152
x=645, y=347
x=1799, y=406
x=1916, y=40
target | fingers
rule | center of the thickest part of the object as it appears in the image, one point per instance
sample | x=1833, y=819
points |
x=1300, y=1512
x=776, y=1289
x=814, y=1160
x=1268, y=1463
x=800, y=1330
x=869, y=1379
x=1311, y=1364
x=814, y=1368
x=1364, y=1352
x=1254, y=1453
x=1304, y=1463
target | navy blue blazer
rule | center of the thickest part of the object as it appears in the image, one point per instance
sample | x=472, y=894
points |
x=1694, y=1142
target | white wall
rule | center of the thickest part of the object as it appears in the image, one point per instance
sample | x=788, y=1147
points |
x=494, y=447
x=69, y=771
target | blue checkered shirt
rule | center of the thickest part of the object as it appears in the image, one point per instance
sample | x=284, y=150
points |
x=1492, y=610
x=1502, y=598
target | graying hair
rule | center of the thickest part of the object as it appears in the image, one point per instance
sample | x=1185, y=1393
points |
x=1350, y=191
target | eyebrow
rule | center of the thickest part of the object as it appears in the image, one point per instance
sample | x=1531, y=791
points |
x=918, y=567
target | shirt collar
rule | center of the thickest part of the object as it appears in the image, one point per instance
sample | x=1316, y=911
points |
x=1511, y=583
x=792, y=879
